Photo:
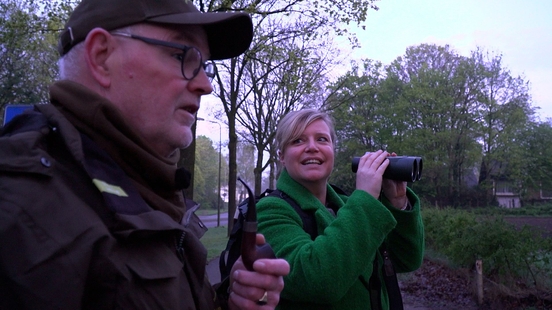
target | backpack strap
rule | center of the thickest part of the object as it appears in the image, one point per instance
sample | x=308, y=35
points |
x=309, y=222
x=339, y=190
x=231, y=253
x=374, y=286
x=391, y=282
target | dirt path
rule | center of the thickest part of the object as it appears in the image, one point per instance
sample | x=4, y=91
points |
x=436, y=287
x=430, y=288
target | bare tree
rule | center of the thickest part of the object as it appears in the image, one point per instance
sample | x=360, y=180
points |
x=318, y=19
x=287, y=74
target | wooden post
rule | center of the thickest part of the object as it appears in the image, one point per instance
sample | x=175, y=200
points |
x=479, y=276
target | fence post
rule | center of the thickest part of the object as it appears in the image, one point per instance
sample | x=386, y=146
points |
x=479, y=276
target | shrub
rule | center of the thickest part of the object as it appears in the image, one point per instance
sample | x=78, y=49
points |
x=510, y=256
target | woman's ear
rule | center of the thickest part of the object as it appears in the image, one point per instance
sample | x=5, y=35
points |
x=281, y=157
x=99, y=46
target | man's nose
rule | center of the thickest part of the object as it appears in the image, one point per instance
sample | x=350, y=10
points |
x=201, y=83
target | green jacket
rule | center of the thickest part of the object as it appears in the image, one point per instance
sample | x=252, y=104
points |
x=328, y=273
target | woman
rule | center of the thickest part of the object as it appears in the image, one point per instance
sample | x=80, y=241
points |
x=333, y=271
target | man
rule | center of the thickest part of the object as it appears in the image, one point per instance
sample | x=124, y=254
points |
x=91, y=208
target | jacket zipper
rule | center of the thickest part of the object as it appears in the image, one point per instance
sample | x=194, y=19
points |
x=180, y=246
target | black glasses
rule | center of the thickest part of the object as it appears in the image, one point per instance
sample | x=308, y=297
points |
x=190, y=59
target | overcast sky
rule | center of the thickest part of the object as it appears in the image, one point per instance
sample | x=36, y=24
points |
x=519, y=30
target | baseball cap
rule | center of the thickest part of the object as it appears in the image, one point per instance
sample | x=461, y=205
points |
x=229, y=34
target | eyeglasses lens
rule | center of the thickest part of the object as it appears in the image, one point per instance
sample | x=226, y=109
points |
x=192, y=63
x=210, y=69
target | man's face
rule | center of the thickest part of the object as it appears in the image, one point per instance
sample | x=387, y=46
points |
x=149, y=89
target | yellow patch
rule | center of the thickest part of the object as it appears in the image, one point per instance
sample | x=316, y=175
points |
x=109, y=188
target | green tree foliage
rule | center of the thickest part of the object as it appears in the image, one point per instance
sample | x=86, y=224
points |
x=506, y=116
x=537, y=171
x=28, y=55
x=438, y=102
x=206, y=173
x=468, y=117
x=357, y=109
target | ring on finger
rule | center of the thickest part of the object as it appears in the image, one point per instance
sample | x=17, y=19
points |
x=264, y=300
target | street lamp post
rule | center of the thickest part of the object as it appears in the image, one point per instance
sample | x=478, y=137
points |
x=219, y=167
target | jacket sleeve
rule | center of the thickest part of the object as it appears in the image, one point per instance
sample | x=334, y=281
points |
x=406, y=241
x=324, y=270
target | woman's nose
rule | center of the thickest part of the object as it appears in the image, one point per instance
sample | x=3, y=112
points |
x=311, y=146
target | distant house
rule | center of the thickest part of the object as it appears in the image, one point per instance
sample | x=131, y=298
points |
x=541, y=194
x=545, y=193
x=506, y=194
x=505, y=190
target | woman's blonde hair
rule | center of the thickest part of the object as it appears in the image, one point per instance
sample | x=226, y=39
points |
x=292, y=125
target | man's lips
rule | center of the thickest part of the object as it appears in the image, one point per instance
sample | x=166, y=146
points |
x=192, y=109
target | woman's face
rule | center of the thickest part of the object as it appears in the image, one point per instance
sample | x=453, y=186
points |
x=309, y=159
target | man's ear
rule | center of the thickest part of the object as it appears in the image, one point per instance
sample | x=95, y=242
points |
x=99, y=46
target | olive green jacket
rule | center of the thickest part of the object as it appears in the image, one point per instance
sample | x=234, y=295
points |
x=331, y=272
x=76, y=233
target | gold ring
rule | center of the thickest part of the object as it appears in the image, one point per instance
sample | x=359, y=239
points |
x=264, y=300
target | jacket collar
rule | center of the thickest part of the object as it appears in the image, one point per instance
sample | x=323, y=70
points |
x=307, y=200
x=153, y=175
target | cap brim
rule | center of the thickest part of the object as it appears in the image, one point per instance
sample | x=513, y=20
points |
x=228, y=34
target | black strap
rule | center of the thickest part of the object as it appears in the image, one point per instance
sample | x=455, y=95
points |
x=374, y=286
x=390, y=281
x=309, y=222
x=231, y=253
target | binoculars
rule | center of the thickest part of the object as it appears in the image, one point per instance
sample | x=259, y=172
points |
x=401, y=168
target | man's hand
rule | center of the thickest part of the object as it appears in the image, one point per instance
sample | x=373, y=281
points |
x=248, y=288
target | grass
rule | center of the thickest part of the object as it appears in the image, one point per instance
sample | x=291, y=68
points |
x=215, y=241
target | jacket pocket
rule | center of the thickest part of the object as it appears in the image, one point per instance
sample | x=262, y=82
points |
x=155, y=280
x=154, y=263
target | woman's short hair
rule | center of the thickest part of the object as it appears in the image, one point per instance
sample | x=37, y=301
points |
x=292, y=125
